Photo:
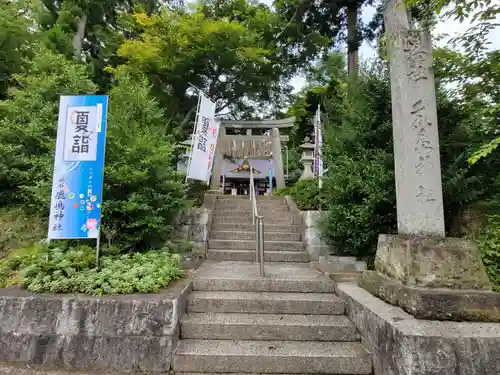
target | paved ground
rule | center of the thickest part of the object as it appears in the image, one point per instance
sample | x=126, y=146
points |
x=19, y=370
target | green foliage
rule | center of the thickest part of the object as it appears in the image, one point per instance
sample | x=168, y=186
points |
x=16, y=260
x=474, y=71
x=313, y=28
x=143, y=194
x=282, y=191
x=232, y=60
x=359, y=185
x=489, y=244
x=72, y=270
x=305, y=194
x=361, y=202
x=484, y=151
x=15, y=40
x=104, y=29
x=294, y=164
x=28, y=122
x=196, y=191
x=18, y=230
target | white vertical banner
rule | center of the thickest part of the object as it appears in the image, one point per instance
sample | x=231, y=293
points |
x=212, y=141
x=205, y=141
x=318, y=144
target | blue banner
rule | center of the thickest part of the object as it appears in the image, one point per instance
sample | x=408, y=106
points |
x=75, y=208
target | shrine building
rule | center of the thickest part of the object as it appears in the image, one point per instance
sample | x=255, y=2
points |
x=243, y=143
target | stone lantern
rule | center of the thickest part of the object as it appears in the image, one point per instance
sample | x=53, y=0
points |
x=307, y=159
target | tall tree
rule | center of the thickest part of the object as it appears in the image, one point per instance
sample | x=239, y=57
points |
x=15, y=42
x=475, y=71
x=91, y=30
x=232, y=61
x=317, y=26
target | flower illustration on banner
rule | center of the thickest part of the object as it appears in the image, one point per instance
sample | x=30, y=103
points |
x=83, y=228
x=93, y=198
x=71, y=195
x=92, y=224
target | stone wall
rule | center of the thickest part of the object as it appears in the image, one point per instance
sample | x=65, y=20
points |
x=310, y=233
x=403, y=345
x=316, y=246
x=123, y=333
x=194, y=227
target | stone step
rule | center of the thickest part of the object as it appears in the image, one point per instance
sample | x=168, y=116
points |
x=240, y=214
x=263, y=211
x=196, y=373
x=278, y=357
x=233, y=218
x=248, y=203
x=250, y=245
x=249, y=255
x=261, y=285
x=259, y=198
x=249, y=227
x=213, y=326
x=346, y=277
x=245, y=277
x=266, y=303
x=271, y=236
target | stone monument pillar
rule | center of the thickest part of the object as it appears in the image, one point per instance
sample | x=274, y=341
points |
x=218, y=160
x=279, y=175
x=415, y=128
x=426, y=274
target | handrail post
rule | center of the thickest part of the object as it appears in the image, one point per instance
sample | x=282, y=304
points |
x=257, y=248
x=252, y=197
x=261, y=245
x=258, y=221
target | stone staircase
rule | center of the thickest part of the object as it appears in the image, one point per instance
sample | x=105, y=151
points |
x=290, y=322
x=233, y=234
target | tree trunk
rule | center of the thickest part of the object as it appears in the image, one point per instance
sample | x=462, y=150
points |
x=352, y=38
x=78, y=39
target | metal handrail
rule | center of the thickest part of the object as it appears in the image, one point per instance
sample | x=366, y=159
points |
x=258, y=221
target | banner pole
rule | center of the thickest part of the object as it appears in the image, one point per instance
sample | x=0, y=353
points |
x=98, y=242
x=98, y=251
x=193, y=136
x=320, y=146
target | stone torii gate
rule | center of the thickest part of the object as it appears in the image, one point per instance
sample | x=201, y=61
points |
x=251, y=146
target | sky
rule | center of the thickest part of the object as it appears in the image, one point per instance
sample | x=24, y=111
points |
x=445, y=28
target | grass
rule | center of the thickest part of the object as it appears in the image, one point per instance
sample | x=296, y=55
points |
x=18, y=230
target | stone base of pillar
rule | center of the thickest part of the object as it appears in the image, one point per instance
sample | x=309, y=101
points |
x=433, y=278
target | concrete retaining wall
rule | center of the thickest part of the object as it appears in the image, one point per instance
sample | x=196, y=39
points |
x=123, y=333
x=403, y=345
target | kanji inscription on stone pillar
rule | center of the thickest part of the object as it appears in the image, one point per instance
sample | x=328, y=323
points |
x=415, y=128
